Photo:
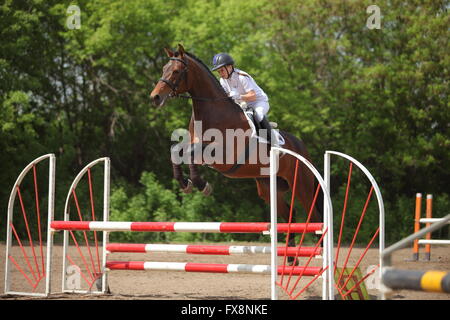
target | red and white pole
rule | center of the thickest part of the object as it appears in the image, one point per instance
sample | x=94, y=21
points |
x=211, y=249
x=209, y=267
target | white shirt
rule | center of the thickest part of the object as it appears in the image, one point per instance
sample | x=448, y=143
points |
x=241, y=82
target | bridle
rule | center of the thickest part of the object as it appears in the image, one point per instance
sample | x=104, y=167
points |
x=183, y=75
x=174, y=85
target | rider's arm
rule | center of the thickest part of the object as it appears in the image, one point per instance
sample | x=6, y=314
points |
x=249, y=96
x=224, y=86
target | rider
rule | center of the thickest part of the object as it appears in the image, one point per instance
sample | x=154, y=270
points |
x=241, y=87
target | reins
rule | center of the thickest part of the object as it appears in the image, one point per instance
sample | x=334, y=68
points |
x=200, y=98
x=174, y=85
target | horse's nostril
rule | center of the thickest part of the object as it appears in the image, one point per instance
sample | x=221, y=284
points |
x=156, y=99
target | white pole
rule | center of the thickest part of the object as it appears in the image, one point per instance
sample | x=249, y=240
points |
x=65, y=246
x=434, y=241
x=9, y=239
x=328, y=287
x=51, y=215
x=274, y=154
x=106, y=199
x=431, y=220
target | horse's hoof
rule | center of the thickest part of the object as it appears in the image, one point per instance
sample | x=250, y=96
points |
x=207, y=190
x=189, y=187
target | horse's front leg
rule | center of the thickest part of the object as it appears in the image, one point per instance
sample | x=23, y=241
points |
x=177, y=160
x=196, y=156
x=197, y=180
x=185, y=184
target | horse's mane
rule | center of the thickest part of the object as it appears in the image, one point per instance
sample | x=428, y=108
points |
x=212, y=76
x=206, y=68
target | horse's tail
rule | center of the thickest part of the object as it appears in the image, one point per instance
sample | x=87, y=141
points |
x=319, y=204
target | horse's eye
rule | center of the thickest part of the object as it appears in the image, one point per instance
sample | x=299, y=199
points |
x=176, y=71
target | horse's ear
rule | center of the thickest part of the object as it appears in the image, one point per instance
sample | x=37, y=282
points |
x=181, y=49
x=169, y=52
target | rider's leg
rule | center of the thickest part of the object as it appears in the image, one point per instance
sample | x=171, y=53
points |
x=261, y=110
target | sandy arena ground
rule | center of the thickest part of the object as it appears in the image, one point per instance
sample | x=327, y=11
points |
x=163, y=285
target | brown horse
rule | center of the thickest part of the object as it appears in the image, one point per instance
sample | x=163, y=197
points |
x=215, y=110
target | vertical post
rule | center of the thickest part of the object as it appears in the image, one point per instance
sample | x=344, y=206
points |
x=381, y=221
x=429, y=214
x=106, y=199
x=417, y=226
x=65, y=249
x=51, y=216
x=9, y=223
x=328, y=279
x=274, y=154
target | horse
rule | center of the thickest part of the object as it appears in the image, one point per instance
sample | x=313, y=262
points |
x=185, y=73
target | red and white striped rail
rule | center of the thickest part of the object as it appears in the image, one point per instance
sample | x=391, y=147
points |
x=210, y=267
x=211, y=249
x=212, y=227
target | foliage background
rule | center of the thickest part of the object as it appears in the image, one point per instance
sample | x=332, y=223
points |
x=378, y=95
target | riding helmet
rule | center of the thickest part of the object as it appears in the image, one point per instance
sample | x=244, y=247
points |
x=222, y=59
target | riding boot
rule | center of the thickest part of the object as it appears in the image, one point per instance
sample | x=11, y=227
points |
x=265, y=125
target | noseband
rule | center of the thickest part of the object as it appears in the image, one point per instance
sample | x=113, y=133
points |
x=174, y=85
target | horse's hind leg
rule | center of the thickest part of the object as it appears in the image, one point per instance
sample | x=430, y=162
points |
x=283, y=209
x=305, y=192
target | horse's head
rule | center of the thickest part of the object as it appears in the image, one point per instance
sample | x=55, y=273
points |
x=173, y=81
